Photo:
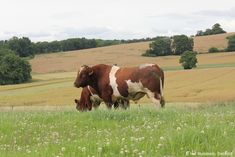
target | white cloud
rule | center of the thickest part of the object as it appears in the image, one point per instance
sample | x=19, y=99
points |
x=109, y=19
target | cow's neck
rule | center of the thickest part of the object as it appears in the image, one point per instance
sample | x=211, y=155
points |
x=95, y=79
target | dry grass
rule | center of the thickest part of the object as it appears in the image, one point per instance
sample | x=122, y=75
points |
x=123, y=55
x=203, y=43
x=205, y=85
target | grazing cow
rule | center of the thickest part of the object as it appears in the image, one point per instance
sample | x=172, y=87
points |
x=89, y=98
x=130, y=83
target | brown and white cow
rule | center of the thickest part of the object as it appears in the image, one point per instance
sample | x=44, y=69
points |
x=89, y=99
x=130, y=83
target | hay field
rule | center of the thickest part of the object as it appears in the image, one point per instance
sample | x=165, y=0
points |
x=203, y=43
x=123, y=55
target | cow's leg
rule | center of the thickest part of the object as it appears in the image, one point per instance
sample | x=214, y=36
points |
x=162, y=101
x=116, y=104
x=126, y=104
x=108, y=102
x=106, y=95
x=154, y=97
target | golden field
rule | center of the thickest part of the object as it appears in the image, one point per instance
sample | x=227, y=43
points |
x=203, y=43
x=53, y=76
x=123, y=55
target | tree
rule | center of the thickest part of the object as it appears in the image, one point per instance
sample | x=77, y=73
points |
x=22, y=46
x=13, y=69
x=4, y=51
x=160, y=47
x=200, y=33
x=188, y=59
x=181, y=43
x=231, y=43
x=216, y=29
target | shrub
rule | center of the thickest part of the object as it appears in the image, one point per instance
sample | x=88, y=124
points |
x=213, y=49
x=188, y=59
x=13, y=69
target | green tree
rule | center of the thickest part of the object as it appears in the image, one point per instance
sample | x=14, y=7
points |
x=22, y=46
x=188, y=59
x=231, y=43
x=200, y=33
x=216, y=29
x=13, y=69
x=181, y=43
x=4, y=51
x=160, y=47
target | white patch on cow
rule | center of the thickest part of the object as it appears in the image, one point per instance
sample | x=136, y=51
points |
x=152, y=98
x=134, y=86
x=89, y=88
x=112, y=81
x=137, y=90
x=82, y=67
x=142, y=66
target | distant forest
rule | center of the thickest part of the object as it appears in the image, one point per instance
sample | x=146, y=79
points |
x=24, y=47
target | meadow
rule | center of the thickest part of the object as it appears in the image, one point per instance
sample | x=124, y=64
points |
x=138, y=131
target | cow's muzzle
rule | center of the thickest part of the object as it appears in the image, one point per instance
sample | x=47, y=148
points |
x=76, y=85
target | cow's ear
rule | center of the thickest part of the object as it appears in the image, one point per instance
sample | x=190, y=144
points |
x=91, y=72
x=76, y=101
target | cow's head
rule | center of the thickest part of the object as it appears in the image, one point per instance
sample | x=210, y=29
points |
x=78, y=106
x=84, y=76
x=81, y=106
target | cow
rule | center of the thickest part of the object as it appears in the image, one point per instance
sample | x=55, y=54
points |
x=90, y=99
x=130, y=83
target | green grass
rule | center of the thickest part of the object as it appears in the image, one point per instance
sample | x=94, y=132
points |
x=144, y=131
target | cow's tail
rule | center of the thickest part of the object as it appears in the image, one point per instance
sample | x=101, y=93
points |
x=162, y=100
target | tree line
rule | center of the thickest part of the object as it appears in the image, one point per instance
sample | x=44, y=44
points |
x=216, y=29
x=24, y=47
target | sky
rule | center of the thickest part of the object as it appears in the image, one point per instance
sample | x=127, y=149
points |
x=48, y=20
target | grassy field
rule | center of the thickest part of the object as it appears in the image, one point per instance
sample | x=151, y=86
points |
x=144, y=131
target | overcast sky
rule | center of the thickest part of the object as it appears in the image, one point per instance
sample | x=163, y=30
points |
x=47, y=20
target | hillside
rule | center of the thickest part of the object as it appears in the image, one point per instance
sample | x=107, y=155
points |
x=123, y=55
x=203, y=43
